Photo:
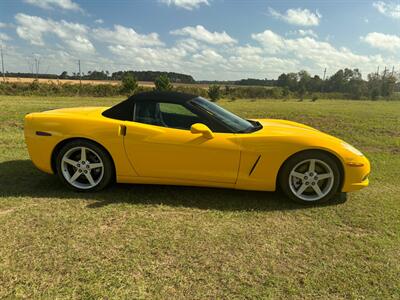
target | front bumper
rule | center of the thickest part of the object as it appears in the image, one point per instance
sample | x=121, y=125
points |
x=356, y=174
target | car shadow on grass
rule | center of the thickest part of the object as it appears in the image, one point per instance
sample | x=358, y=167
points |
x=19, y=178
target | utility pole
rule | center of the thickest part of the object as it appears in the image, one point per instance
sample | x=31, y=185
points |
x=2, y=63
x=392, y=71
x=323, y=81
x=37, y=66
x=79, y=67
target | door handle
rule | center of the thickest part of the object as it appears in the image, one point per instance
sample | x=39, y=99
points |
x=122, y=130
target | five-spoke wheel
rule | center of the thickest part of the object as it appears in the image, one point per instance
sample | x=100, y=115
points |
x=310, y=176
x=84, y=165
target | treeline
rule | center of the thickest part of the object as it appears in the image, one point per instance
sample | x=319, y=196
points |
x=242, y=82
x=347, y=82
x=153, y=75
x=105, y=75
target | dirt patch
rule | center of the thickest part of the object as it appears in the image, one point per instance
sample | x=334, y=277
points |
x=6, y=211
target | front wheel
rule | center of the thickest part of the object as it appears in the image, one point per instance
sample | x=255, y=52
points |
x=310, y=177
x=84, y=166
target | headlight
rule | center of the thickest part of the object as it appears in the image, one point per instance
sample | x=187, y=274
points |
x=352, y=149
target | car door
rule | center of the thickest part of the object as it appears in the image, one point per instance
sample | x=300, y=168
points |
x=159, y=144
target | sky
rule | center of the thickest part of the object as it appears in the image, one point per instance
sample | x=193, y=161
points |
x=208, y=39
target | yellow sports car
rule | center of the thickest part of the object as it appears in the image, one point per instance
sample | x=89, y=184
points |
x=180, y=139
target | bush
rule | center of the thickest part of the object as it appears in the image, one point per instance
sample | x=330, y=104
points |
x=129, y=84
x=189, y=89
x=107, y=90
x=214, y=92
x=162, y=83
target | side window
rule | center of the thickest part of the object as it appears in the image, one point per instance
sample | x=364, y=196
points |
x=147, y=113
x=165, y=114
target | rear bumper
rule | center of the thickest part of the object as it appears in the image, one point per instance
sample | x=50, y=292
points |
x=39, y=147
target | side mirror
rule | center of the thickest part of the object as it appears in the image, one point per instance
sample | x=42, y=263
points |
x=203, y=129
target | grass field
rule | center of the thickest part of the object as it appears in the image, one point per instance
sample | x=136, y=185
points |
x=132, y=242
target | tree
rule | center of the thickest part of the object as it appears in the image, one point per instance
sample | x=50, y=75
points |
x=356, y=88
x=315, y=84
x=388, y=85
x=285, y=92
x=129, y=84
x=288, y=80
x=214, y=92
x=64, y=75
x=304, y=82
x=302, y=91
x=162, y=83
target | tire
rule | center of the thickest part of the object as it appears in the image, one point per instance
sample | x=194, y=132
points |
x=92, y=172
x=310, y=177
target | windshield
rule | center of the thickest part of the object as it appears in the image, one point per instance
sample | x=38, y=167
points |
x=236, y=123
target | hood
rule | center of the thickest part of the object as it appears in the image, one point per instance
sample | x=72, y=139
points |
x=273, y=127
x=283, y=124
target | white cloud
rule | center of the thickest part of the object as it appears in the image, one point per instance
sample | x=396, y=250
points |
x=150, y=58
x=80, y=44
x=4, y=37
x=302, y=32
x=315, y=54
x=308, y=32
x=389, y=9
x=99, y=21
x=33, y=29
x=383, y=41
x=270, y=40
x=126, y=36
x=3, y=25
x=297, y=16
x=50, y=4
x=186, y=4
x=209, y=57
x=201, y=34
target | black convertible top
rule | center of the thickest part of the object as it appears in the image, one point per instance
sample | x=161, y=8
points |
x=123, y=110
x=174, y=97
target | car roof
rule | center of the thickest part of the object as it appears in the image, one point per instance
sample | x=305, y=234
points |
x=174, y=97
x=124, y=109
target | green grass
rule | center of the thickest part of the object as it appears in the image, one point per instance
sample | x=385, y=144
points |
x=133, y=241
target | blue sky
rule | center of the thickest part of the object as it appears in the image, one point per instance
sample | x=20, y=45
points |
x=209, y=39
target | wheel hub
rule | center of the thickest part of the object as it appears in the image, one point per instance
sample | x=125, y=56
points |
x=82, y=167
x=311, y=179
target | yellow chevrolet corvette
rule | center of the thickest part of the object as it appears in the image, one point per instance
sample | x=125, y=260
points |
x=181, y=139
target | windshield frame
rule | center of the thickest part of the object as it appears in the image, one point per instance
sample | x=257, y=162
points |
x=222, y=115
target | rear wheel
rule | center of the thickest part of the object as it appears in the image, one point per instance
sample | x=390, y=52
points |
x=84, y=166
x=310, y=177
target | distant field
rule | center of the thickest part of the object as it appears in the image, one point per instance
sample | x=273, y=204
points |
x=152, y=242
x=72, y=81
x=113, y=82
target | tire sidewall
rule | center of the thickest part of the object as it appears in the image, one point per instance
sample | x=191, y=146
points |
x=297, y=158
x=105, y=157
